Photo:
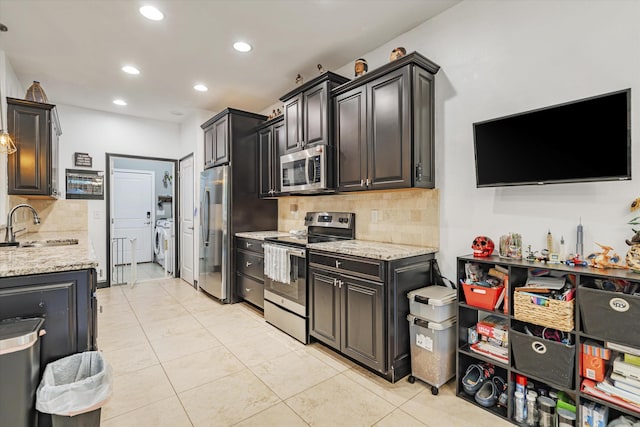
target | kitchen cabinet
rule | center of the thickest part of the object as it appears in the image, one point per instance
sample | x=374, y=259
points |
x=216, y=142
x=250, y=271
x=358, y=306
x=33, y=169
x=308, y=113
x=67, y=302
x=384, y=124
x=271, y=146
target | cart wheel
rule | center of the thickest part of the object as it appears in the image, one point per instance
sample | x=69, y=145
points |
x=434, y=390
x=411, y=379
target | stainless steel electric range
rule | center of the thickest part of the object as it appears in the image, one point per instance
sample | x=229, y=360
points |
x=285, y=258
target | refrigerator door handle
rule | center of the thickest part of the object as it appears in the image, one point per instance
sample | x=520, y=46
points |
x=207, y=206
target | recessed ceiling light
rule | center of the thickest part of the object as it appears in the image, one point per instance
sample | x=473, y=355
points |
x=130, y=69
x=242, y=46
x=152, y=13
x=120, y=102
x=201, y=88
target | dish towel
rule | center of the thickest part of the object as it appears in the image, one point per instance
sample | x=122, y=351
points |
x=277, y=263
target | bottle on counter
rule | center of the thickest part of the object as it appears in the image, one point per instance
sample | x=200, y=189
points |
x=519, y=403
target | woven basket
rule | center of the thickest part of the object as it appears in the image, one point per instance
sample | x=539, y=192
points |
x=548, y=312
x=36, y=93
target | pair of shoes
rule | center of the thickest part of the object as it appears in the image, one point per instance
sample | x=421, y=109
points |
x=475, y=376
x=492, y=392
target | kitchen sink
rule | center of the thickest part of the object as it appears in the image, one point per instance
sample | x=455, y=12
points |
x=48, y=243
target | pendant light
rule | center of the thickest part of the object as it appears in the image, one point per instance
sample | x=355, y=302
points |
x=6, y=143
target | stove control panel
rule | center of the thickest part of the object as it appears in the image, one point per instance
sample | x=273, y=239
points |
x=330, y=219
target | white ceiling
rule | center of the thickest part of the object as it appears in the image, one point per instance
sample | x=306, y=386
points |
x=75, y=48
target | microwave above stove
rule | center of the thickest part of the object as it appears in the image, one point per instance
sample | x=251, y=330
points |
x=308, y=171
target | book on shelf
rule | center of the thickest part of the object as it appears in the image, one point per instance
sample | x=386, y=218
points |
x=623, y=348
x=625, y=395
x=621, y=378
x=501, y=354
x=589, y=387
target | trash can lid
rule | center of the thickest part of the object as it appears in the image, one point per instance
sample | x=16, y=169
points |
x=434, y=295
x=18, y=334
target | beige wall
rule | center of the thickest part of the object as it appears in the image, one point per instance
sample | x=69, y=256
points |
x=55, y=215
x=409, y=217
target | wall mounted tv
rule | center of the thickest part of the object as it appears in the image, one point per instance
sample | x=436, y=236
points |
x=579, y=141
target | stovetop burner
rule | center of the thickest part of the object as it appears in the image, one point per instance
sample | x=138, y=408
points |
x=322, y=227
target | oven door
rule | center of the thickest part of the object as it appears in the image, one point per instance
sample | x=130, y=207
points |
x=304, y=170
x=293, y=295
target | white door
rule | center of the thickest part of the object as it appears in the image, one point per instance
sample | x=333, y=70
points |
x=132, y=211
x=186, y=219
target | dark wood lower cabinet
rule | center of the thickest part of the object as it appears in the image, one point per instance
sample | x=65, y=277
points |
x=68, y=304
x=359, y=307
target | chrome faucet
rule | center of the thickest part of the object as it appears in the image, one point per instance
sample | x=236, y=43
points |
x=9, y=235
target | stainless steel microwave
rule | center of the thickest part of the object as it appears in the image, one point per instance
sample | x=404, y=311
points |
x=307, y=171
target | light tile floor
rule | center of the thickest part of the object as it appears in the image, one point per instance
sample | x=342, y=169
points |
x=180, y=358
x=144, y=271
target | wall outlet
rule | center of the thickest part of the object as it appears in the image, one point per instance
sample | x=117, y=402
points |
x=375, y=216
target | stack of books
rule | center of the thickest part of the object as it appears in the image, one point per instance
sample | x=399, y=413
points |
x=621, y=385
x=493, y=338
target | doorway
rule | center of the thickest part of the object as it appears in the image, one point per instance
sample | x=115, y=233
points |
x=187, y=212
x=140, y=215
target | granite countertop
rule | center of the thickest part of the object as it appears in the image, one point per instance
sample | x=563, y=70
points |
x=261, y=235
x=21, y=261
x=374, y=250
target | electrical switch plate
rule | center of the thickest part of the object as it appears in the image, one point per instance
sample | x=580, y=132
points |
x=374, y=216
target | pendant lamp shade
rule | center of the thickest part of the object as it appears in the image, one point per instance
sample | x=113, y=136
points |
x=6, y=143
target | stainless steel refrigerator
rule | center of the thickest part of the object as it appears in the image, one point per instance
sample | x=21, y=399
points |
x=229, y=203
x=214, y=232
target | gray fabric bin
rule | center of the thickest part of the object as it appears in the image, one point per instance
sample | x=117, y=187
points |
x=611, y=316
x=550, y=361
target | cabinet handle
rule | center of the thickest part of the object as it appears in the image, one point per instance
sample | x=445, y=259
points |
x=338, y=264
x=340, y=283
x=367, y=183
x=249, y=244
x=362, y=183
x=248, y=264
x=248, y=290
x=335, y=282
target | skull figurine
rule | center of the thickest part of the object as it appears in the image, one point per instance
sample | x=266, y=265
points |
x=482, y=246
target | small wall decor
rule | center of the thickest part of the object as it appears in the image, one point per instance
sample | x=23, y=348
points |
x=82, y=160
x=167, y=179
x=360, y=67
x=36, y=93
x=397, y=53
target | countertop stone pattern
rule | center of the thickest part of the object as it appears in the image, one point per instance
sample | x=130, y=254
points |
x=17, y=261
x=261, y=235
x=374, y=250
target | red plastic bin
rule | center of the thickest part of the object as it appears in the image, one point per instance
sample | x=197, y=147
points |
x=480, y=296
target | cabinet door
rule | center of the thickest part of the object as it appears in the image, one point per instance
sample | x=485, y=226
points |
x=324, y=308
x=351, y=139
x=56, y=303
x=293, y=124
x=316, y=126
x=362, y=321
x=55, y=159
x=29, y=172
x=389, y=131
x=423, y=132
x=265, y=147
x=279, y=140
x=221, y=141
x=208, y=147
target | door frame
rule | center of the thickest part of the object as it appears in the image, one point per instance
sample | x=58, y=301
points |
x=176, y=200
x=178, y=229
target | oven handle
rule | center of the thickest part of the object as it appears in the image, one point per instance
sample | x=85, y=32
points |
x=297, y=252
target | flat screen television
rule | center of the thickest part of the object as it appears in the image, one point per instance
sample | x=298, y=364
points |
x=579, y=141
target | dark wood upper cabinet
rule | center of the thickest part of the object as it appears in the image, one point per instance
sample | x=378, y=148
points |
x=384, y=127
x=33, y=169
x=222, y=129
x=308, y=113
x=271, y=141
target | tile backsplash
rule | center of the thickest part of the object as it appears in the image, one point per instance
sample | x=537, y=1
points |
x=55, y=215
x=410, y=217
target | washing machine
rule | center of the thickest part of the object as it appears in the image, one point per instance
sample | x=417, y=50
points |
x=163, y=238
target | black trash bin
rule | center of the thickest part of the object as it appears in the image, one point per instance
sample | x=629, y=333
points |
x=19, y=370
x=74, y=389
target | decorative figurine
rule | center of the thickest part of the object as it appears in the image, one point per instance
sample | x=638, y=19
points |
x=320, y=69
x=278, y=112
x=603, y=259
x=482, y=246
x=361, y=67
x=531, y=255
x=633, y=255
x=511, y=246
x=576, y=261
x=397, y=53
x=544, y=256
x=298, y=79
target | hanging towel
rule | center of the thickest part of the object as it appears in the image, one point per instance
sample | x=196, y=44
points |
x=277, y=263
